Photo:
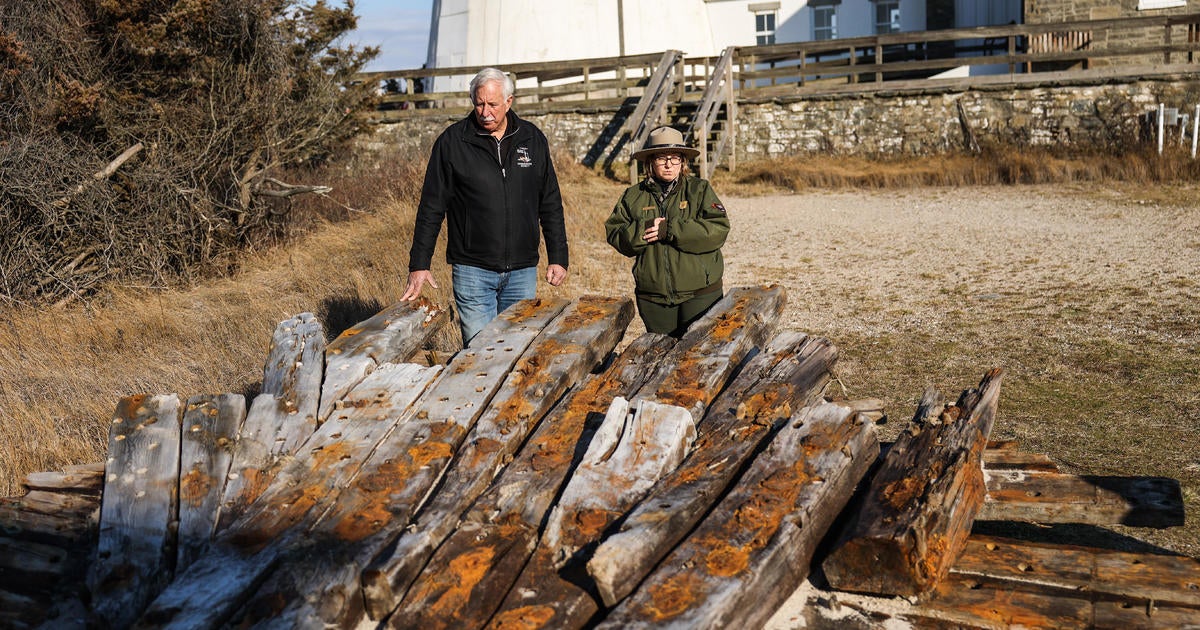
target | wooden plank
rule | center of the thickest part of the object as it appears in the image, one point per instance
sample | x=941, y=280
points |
x=966, y=601
x=755, y=547
x=87, y=479
x=62, y=503
x=570, y=347
x=20, y=610
x=789, y=374
x=1135, y=579
x=1011, y=459
x=54, y=529
x=241, y=557
x=918, y=511
x=690, y=377
x=25, y=565
x=135, y=552
x=396, y=479
x=210, y=426
x=633, y=449
x=500, y=531
x=1050, y=497
x=714, y=347
x=282, y=416
x=391, y=336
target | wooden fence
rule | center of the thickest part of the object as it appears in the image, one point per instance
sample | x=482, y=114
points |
x=815, y=67
x=539, y=479
x=701, y=94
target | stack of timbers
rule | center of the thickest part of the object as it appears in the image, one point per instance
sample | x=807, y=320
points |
x=540, y=479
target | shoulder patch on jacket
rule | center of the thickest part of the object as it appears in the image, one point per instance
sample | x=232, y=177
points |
x=719, y=208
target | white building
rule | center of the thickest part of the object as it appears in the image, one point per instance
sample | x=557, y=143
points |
x=498, y=32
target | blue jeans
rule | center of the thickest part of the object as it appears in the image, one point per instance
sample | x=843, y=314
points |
x=480, y=294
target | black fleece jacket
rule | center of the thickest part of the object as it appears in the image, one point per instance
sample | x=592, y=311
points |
x=493, y=195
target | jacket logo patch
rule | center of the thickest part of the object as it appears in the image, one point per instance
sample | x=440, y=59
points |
x=683, y=205
x=719, y=208
x=523, y=159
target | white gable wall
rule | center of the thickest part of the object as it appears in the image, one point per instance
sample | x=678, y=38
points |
x=499, y=32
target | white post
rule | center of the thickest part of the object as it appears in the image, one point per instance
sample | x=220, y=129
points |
x=1161, y=111
x=1195, y=129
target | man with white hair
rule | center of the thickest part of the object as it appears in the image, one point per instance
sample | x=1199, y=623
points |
x=491, y=179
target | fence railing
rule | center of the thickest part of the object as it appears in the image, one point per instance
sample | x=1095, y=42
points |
x=651, y=89
x=860, y=63
x=718, y=93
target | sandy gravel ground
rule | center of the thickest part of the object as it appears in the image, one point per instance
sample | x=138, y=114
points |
x=906, y=249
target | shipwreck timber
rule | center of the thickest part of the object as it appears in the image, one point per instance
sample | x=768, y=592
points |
x=541, y=478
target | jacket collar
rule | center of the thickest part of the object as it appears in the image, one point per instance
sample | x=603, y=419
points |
x=512, y=125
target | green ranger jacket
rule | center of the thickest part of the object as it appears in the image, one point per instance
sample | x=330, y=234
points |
x=687, y=258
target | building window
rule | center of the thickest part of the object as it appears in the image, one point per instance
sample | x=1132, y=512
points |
x=825, y=22
x=764, y=28
x=887, y=17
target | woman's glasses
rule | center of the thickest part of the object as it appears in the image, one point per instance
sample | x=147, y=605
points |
x=663, y=160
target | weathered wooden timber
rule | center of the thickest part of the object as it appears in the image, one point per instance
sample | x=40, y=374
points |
x=490, y=490
x=1043, y=496
x=790, y=373
x=136, y=547
x=578, y=339
x=918, y=512
x=552, y=591
x=392, y=336
x=737, y=567
x=1002, y=583
x=503, y=525
x=210, y=429
x=407, y=459
x=282, y=416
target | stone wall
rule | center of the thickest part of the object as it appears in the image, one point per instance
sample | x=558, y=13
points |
x=1051, y=11
x=1044, y=11
x=914, y=122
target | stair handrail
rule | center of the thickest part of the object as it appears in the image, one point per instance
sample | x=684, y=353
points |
x=650, y=107
x=719, y=90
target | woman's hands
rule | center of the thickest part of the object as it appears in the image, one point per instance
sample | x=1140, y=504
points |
x=652, y=233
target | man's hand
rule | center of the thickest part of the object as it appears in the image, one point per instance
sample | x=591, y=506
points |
x=555, y=274
x=417, y=280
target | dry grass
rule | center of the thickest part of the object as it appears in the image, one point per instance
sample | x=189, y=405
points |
x=1103, y=382
x=994, y=166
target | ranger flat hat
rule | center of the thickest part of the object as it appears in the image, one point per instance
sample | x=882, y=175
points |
x=665, y=140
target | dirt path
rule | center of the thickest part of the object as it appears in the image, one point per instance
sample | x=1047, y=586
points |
x=1005, y=247
x=1088, y=298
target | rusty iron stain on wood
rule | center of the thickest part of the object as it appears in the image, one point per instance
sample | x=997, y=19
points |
x=194, y=486
x=673, y=598
x=523, y=618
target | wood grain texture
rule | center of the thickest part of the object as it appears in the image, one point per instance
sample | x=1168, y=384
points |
x=242, y=556
x=282, y=416
x=918, y=511
x=210, y=426
x=503, y=525
x=135, y=553
x=1041, y=496
x=391, y=336
x=396, y=479
x=567, y=350
x=790, y=373
x=754, y=549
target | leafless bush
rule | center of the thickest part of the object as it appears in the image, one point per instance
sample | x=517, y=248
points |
x=144, y=141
